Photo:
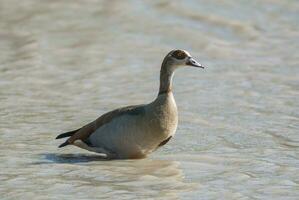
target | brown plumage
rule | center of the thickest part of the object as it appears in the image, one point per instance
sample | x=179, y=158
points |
x=135, y=131
x=84, y=132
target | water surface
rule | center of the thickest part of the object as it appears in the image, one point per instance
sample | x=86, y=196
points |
x=64, y=63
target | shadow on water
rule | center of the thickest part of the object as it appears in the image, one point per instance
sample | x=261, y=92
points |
x=69, y=158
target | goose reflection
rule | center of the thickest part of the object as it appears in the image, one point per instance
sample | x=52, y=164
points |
x=155, y=177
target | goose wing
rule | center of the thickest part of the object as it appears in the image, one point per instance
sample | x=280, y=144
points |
x=84, y=132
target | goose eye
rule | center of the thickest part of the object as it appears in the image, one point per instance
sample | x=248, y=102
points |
x=179, y=54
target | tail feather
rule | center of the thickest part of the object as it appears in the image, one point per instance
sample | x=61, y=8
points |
x=67, y=134
x=64, y=144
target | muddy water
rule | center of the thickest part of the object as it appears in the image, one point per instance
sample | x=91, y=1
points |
x=64, y=63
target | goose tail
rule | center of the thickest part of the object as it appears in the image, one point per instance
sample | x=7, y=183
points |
x=67, y=134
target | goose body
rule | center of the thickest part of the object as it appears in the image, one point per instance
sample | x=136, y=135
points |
x=135, y=131
x=140, y=131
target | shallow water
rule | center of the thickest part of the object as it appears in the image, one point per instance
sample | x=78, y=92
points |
x=64, y=63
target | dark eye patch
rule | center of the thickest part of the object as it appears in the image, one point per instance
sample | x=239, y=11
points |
x=178, y=54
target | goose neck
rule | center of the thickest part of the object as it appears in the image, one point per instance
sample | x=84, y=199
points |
x=166, y=76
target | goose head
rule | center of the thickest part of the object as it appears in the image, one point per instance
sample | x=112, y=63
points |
x=178, y=58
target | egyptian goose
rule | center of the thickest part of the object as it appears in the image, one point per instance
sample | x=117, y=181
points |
x=135, y=131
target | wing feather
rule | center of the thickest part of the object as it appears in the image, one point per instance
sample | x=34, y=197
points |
x=84, y=133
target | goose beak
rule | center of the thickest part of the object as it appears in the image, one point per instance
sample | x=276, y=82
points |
x=193, y=63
